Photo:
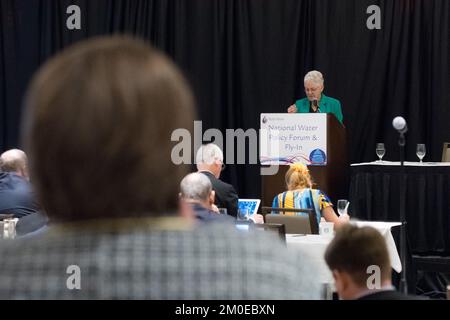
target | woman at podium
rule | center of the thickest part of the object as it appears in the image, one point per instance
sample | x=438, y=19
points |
x=301, y=195
x=316, y=101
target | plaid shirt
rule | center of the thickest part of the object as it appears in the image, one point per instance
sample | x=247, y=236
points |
x=144, y=259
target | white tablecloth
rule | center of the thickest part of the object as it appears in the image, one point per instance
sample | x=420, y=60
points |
x=314, y=246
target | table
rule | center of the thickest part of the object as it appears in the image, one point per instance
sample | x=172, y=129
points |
x=374, y=196
x=314, y=246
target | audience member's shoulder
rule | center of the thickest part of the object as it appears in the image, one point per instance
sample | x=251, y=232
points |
x=223, y=183
x=15, y=249
x=391, y=295
x=31, y=223
x=271, y=259
x=281, y=193
x=217, y=183
x=228, y=186
x=9, y=177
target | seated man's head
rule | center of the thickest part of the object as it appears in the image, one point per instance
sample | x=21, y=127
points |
x=298, y=177
x=196, y=188
x=98, y=128
x=359, y=260
x=210, y=158
x=14, y=161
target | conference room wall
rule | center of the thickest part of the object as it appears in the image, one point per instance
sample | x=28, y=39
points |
x=247, y=57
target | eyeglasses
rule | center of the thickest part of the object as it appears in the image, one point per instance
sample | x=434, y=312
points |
x=312, y=89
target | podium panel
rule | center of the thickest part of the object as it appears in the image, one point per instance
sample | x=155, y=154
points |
x=331, y=178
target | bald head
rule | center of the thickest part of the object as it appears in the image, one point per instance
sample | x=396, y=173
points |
x=14, y=161
x=196, y=187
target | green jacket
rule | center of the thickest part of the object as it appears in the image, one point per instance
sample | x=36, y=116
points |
x=326, y=105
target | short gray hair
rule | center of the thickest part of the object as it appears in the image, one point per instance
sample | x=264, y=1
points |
x=208, y=153
x=314, y=76
x=196, y=186
x=13, y=160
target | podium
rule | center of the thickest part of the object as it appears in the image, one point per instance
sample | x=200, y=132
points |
x=332, y=177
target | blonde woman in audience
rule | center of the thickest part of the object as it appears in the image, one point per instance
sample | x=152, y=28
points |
x=301, y=195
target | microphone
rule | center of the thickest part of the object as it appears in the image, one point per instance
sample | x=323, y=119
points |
x=316, y=104
x=399, y=124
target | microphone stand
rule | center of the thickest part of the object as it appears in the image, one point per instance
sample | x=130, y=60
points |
x=403, y=283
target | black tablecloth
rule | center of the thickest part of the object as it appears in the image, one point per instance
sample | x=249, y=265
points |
x=374, y=196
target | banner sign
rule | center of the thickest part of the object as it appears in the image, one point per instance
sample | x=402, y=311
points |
x=287, y=138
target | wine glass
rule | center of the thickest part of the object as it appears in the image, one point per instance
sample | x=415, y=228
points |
x=243, y=214
x=342, y=206
x=421, y=151
x=380, y=150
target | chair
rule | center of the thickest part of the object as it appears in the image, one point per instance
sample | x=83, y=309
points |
x=299, y=224
x=270, y=227
x=273, y=227
x=446, y=152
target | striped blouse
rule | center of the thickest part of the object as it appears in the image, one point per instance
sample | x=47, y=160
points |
x=304, y=199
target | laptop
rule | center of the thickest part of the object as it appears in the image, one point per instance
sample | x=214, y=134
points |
x=252, y=205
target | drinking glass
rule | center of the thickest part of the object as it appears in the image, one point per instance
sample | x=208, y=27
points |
x=9, y=228
x=380, y=150
x=342, y=207
x=421, y=151
x=243, y=214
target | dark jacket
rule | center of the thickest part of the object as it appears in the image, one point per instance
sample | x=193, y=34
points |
x=205, y=215
x=226, y=196
x=32, y=224
x=16, y=196
x=389, y=295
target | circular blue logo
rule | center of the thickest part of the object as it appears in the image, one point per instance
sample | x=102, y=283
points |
x=317, y=156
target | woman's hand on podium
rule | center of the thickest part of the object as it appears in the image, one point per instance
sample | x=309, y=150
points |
x=292, y=109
